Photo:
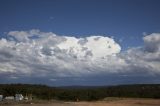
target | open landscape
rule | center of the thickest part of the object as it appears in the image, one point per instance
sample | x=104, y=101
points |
x=42, y=95
x=107, y=102
x=79, y=52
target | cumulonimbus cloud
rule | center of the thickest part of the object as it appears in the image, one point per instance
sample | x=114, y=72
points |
x=28, y=56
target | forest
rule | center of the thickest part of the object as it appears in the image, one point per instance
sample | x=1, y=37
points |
x=81, y=93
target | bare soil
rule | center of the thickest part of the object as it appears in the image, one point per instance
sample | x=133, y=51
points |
x=106, y=102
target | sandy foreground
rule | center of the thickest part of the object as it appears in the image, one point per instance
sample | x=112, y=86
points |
x=120, y=102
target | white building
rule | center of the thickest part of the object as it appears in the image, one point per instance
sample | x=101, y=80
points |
x=19, y=97
x=25, y=98
x=1, y=97
x=9, y=98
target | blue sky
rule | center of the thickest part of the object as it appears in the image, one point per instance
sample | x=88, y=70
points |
x=123, y=19
x=92, y=42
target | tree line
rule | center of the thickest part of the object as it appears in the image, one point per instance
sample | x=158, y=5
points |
x=81, y=93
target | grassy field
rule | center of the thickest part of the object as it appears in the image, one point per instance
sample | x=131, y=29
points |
x=105, y=102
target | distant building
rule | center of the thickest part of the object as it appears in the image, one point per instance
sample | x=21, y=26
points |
x=26, y=98
x=19, y=97
x=1, y=97
x=9, y=98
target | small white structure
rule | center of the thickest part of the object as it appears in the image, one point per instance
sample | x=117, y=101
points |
x=1, y=97
x=9, y=98
x=19, y=97
x=25, y=98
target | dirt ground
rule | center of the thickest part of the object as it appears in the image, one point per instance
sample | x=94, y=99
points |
x=117, y=102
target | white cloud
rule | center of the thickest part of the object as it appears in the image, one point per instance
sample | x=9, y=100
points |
x=152, y=42
x=34, y=55
x=94, y=46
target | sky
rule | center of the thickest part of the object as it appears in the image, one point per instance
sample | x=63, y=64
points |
x=80, y=42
